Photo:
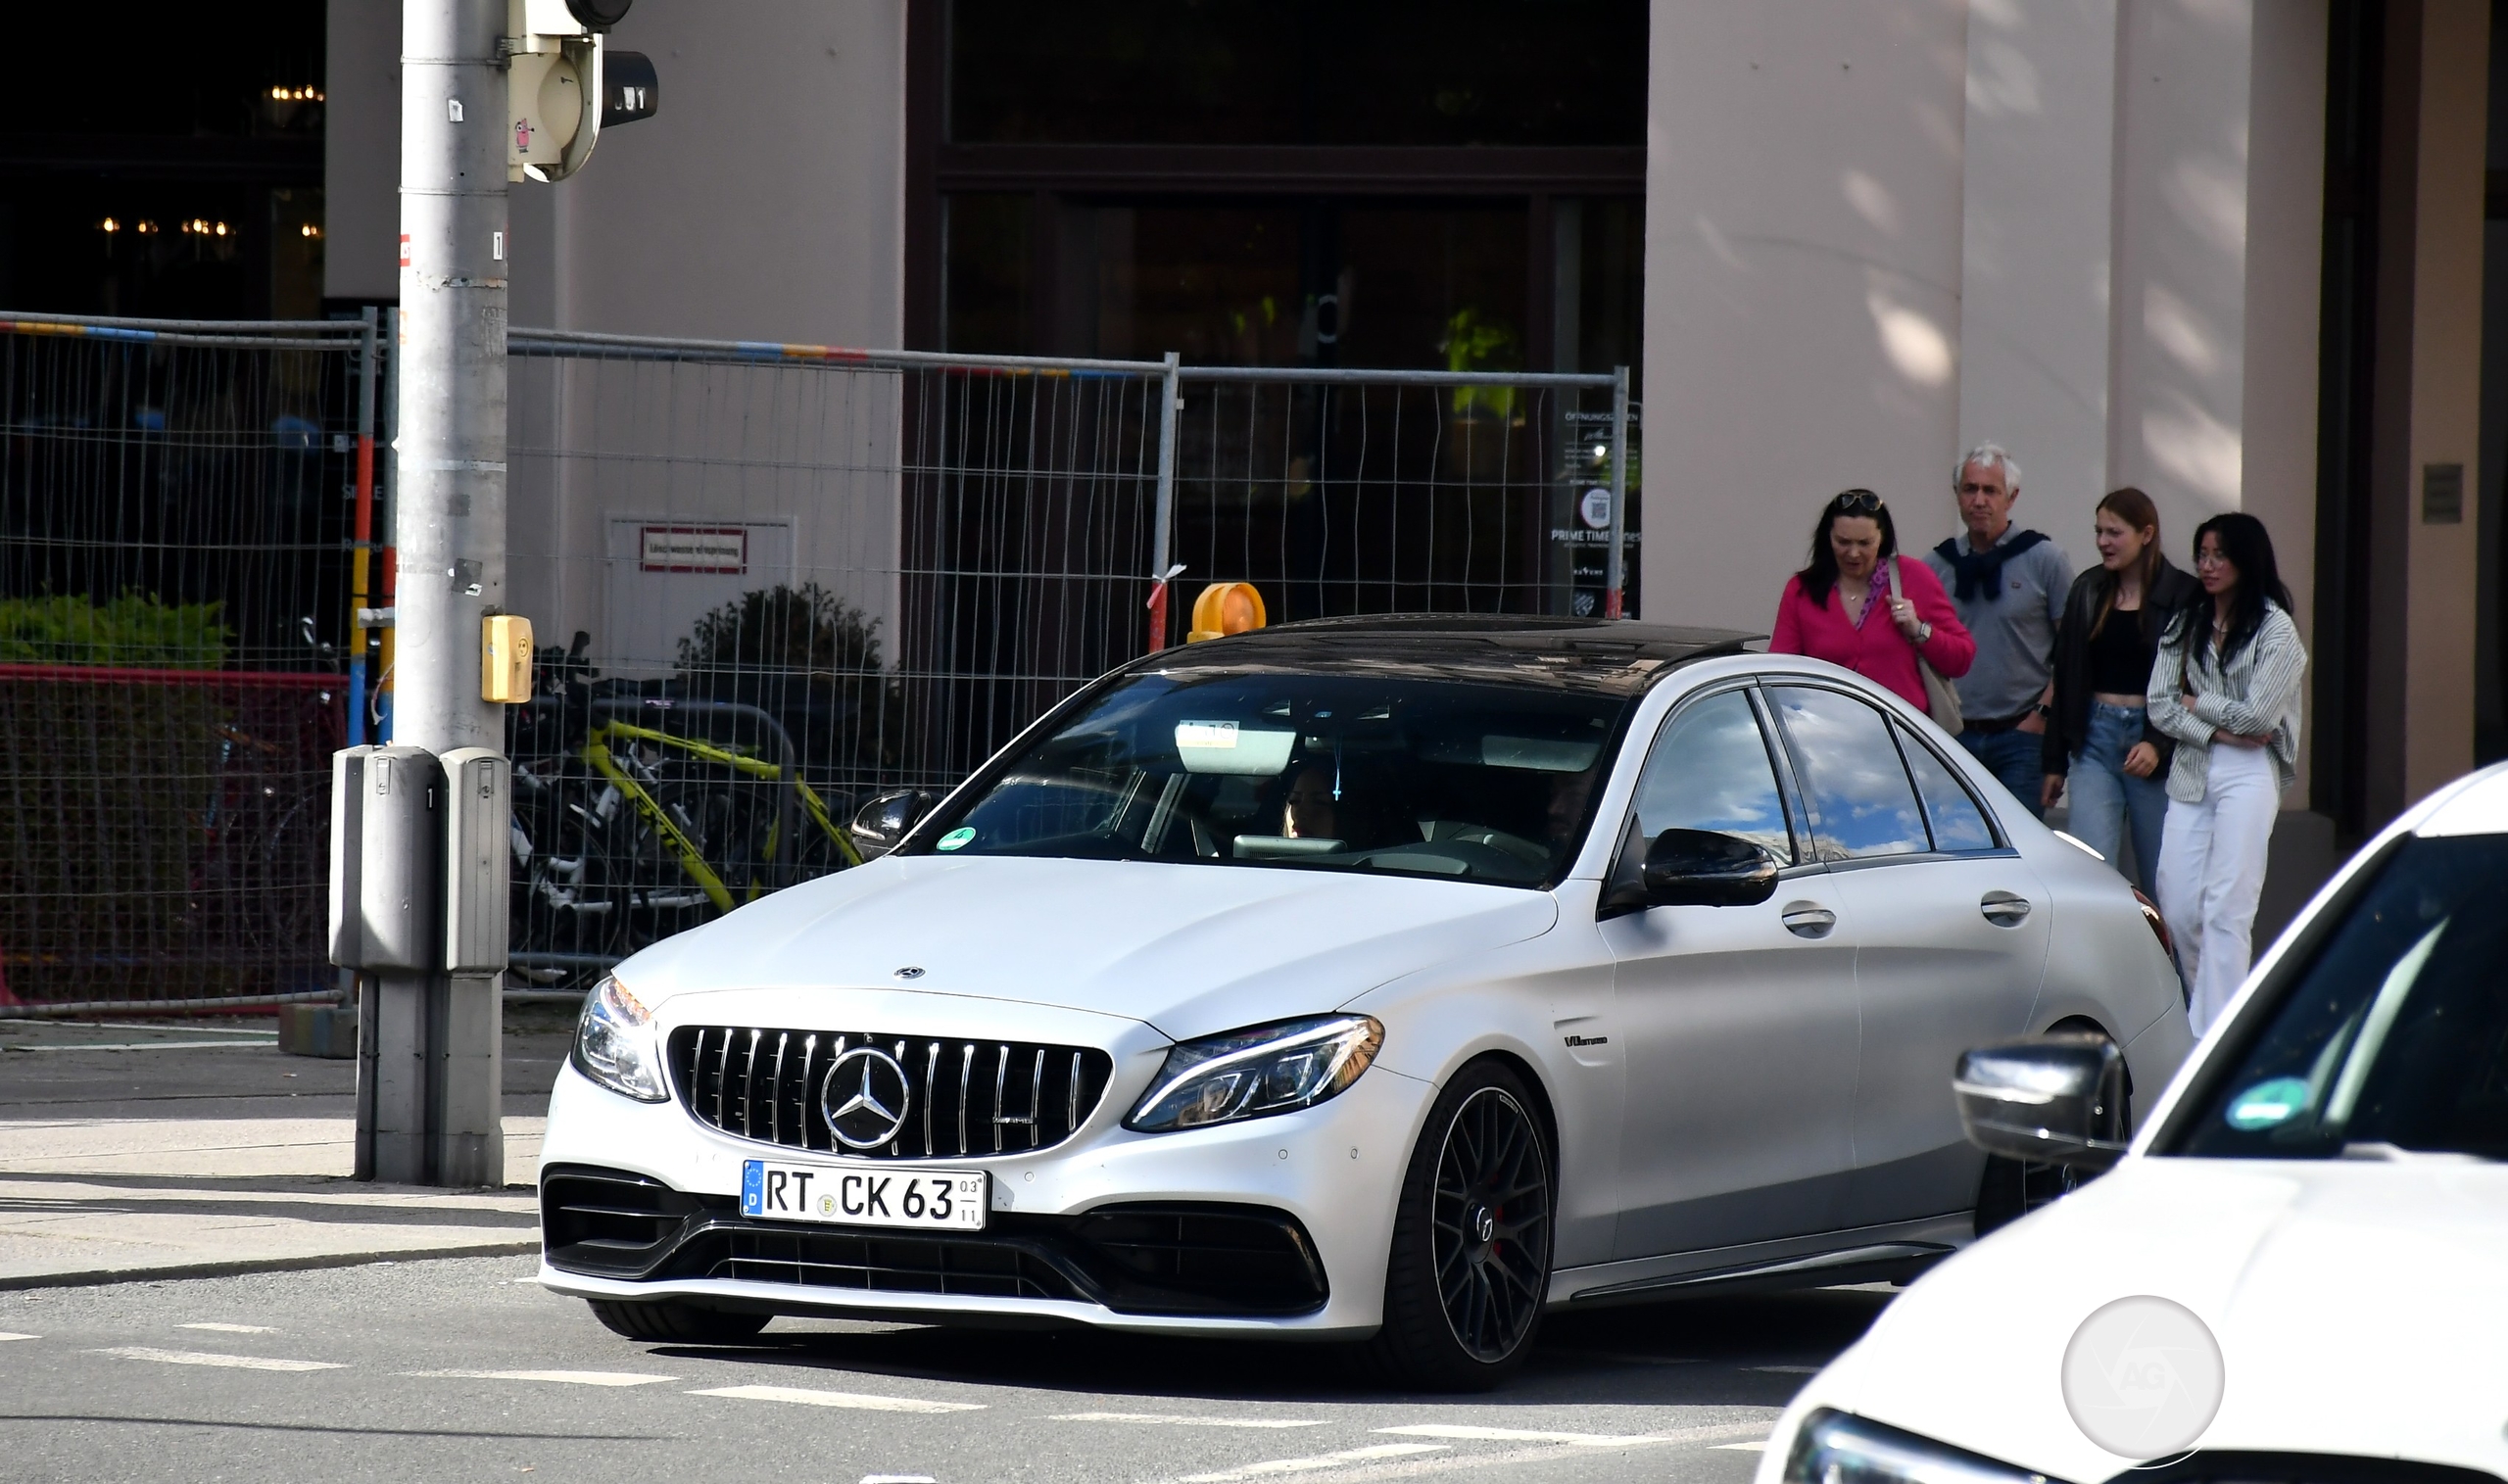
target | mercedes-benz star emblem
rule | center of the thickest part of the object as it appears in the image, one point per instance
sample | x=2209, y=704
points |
x=864, y=1098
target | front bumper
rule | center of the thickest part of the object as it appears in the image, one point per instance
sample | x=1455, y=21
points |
x=1276, y=1225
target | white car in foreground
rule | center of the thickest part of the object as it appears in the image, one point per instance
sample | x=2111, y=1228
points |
x=1391, y=979
x=2309, y=1238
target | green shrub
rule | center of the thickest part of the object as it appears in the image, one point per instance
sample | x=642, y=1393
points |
x=135, y=630
x=810, y=659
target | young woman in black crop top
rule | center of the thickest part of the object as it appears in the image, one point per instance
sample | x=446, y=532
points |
x=2099, y=744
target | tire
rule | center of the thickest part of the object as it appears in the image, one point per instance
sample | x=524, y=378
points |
x=665, y=1322
x=1469, y=1266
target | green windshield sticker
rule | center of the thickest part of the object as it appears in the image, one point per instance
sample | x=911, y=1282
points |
x=2267, y=1104
x=956, y=837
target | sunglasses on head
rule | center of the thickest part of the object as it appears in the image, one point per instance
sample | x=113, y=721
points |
x=1857, y=502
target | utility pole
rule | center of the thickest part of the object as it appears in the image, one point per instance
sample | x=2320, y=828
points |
x=437, y=1039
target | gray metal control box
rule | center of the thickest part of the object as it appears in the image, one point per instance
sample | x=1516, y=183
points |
x=478, y=826
x=387, y=858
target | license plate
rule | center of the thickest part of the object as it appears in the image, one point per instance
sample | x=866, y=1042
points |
x=937, y=1200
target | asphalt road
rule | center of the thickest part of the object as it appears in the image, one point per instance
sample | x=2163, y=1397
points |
x=466, y=1370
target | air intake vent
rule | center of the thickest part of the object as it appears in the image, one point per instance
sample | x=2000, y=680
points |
x=961, y=1099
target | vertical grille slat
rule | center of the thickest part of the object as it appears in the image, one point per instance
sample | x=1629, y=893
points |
x=966, y=1070
x=930, y=1080
x=769, y=1089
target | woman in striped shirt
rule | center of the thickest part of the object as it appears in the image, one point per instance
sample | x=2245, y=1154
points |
x=2226, y=684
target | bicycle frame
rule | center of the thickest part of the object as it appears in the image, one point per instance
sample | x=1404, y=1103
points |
x=598, y=751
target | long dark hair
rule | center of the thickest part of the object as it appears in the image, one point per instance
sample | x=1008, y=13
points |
x=2135, y=509
x=2247, y=547
x=1820, y=574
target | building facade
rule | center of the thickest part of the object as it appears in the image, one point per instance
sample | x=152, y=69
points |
x=2235, y=253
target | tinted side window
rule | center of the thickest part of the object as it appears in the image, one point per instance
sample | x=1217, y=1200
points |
x=1959, y=823
x=1861, y=802
x=1710, y=770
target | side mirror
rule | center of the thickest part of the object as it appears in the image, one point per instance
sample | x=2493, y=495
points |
x=1705, y=869
x=880, y=825
x=2054, y=1099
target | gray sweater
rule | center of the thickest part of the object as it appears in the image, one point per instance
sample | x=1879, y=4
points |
x=2258, y=693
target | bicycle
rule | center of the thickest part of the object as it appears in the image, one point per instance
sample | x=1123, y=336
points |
x=625, y=833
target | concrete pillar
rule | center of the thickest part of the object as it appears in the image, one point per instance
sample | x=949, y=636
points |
x=1803, y=244
x=2424, y=547
x=2033, y=266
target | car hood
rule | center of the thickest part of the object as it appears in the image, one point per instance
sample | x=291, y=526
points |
x=1189, y=949
x=2359, y=1305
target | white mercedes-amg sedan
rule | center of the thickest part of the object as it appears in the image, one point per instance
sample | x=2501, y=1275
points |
x=1382, y=979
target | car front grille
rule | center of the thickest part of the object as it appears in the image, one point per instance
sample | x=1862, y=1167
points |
x=964, y=1098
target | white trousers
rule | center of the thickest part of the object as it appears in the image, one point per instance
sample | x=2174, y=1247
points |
x=2211, y=872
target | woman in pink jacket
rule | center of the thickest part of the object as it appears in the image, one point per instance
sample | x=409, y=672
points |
x=1828, y=610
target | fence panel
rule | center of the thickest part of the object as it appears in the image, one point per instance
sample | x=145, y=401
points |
x=173, y=553
x=1392, y=492
x=769, y=582
x=879, y=565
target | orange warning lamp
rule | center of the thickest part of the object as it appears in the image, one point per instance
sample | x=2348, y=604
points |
x=1225, y=609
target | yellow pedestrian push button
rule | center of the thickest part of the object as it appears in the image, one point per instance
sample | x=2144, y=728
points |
x=504, y=659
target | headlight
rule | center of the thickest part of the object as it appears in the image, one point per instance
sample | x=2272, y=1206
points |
x=1836, y=1448
x=614, y=1043
x=1256, y=1072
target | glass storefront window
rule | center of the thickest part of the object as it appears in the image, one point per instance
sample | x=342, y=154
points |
x=1297, y=72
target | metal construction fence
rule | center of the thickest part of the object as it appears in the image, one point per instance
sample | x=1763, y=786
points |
x=769, y=581
x=173, y=583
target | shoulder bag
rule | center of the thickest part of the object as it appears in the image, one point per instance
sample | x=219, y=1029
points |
x=1940, y=697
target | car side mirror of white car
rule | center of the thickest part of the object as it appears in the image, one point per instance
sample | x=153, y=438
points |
x=883, y=824
x=2054, y=1099
x=1703, y=868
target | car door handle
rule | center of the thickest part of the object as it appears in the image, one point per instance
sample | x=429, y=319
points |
x=1808, y=919
x=2003, y=909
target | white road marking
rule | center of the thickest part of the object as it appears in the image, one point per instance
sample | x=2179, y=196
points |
x=1464, y=1434
x=897, y=1478
x=855, y=1400
x=1759, y=1447
x=1787, y=1371
x=211, y=1358
x=1340, y=1460
x=563, y=1377
x=6, y=1338
x=231, y=1328
x=1155, y=1419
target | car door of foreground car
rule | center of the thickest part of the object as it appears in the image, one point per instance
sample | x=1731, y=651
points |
x=1950, y=948
x=1739, y=1020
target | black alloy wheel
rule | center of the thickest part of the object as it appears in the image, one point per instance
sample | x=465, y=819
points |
x=1469, y=1269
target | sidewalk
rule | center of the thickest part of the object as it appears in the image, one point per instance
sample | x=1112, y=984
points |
x=190, y=1149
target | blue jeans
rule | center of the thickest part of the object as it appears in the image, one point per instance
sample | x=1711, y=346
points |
x=2107, y=800
x=2012, y=758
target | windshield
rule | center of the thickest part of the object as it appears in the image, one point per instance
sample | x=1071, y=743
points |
x=2395, y=1038
x=1401, y=776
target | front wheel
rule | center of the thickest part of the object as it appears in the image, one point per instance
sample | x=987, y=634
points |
x=1470, y=1267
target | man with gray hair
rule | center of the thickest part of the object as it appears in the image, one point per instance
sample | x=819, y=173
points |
x=2010, y=588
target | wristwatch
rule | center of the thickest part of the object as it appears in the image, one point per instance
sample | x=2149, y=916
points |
x=1924, y=633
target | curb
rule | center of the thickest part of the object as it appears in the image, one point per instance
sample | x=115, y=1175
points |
x=243, y=1266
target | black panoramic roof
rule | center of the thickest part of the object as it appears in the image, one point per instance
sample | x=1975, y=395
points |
x=1572, y=654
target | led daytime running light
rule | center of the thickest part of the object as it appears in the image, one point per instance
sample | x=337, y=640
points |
x=1353, y=1041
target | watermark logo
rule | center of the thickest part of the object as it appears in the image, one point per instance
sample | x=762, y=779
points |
x=2143, y=1377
